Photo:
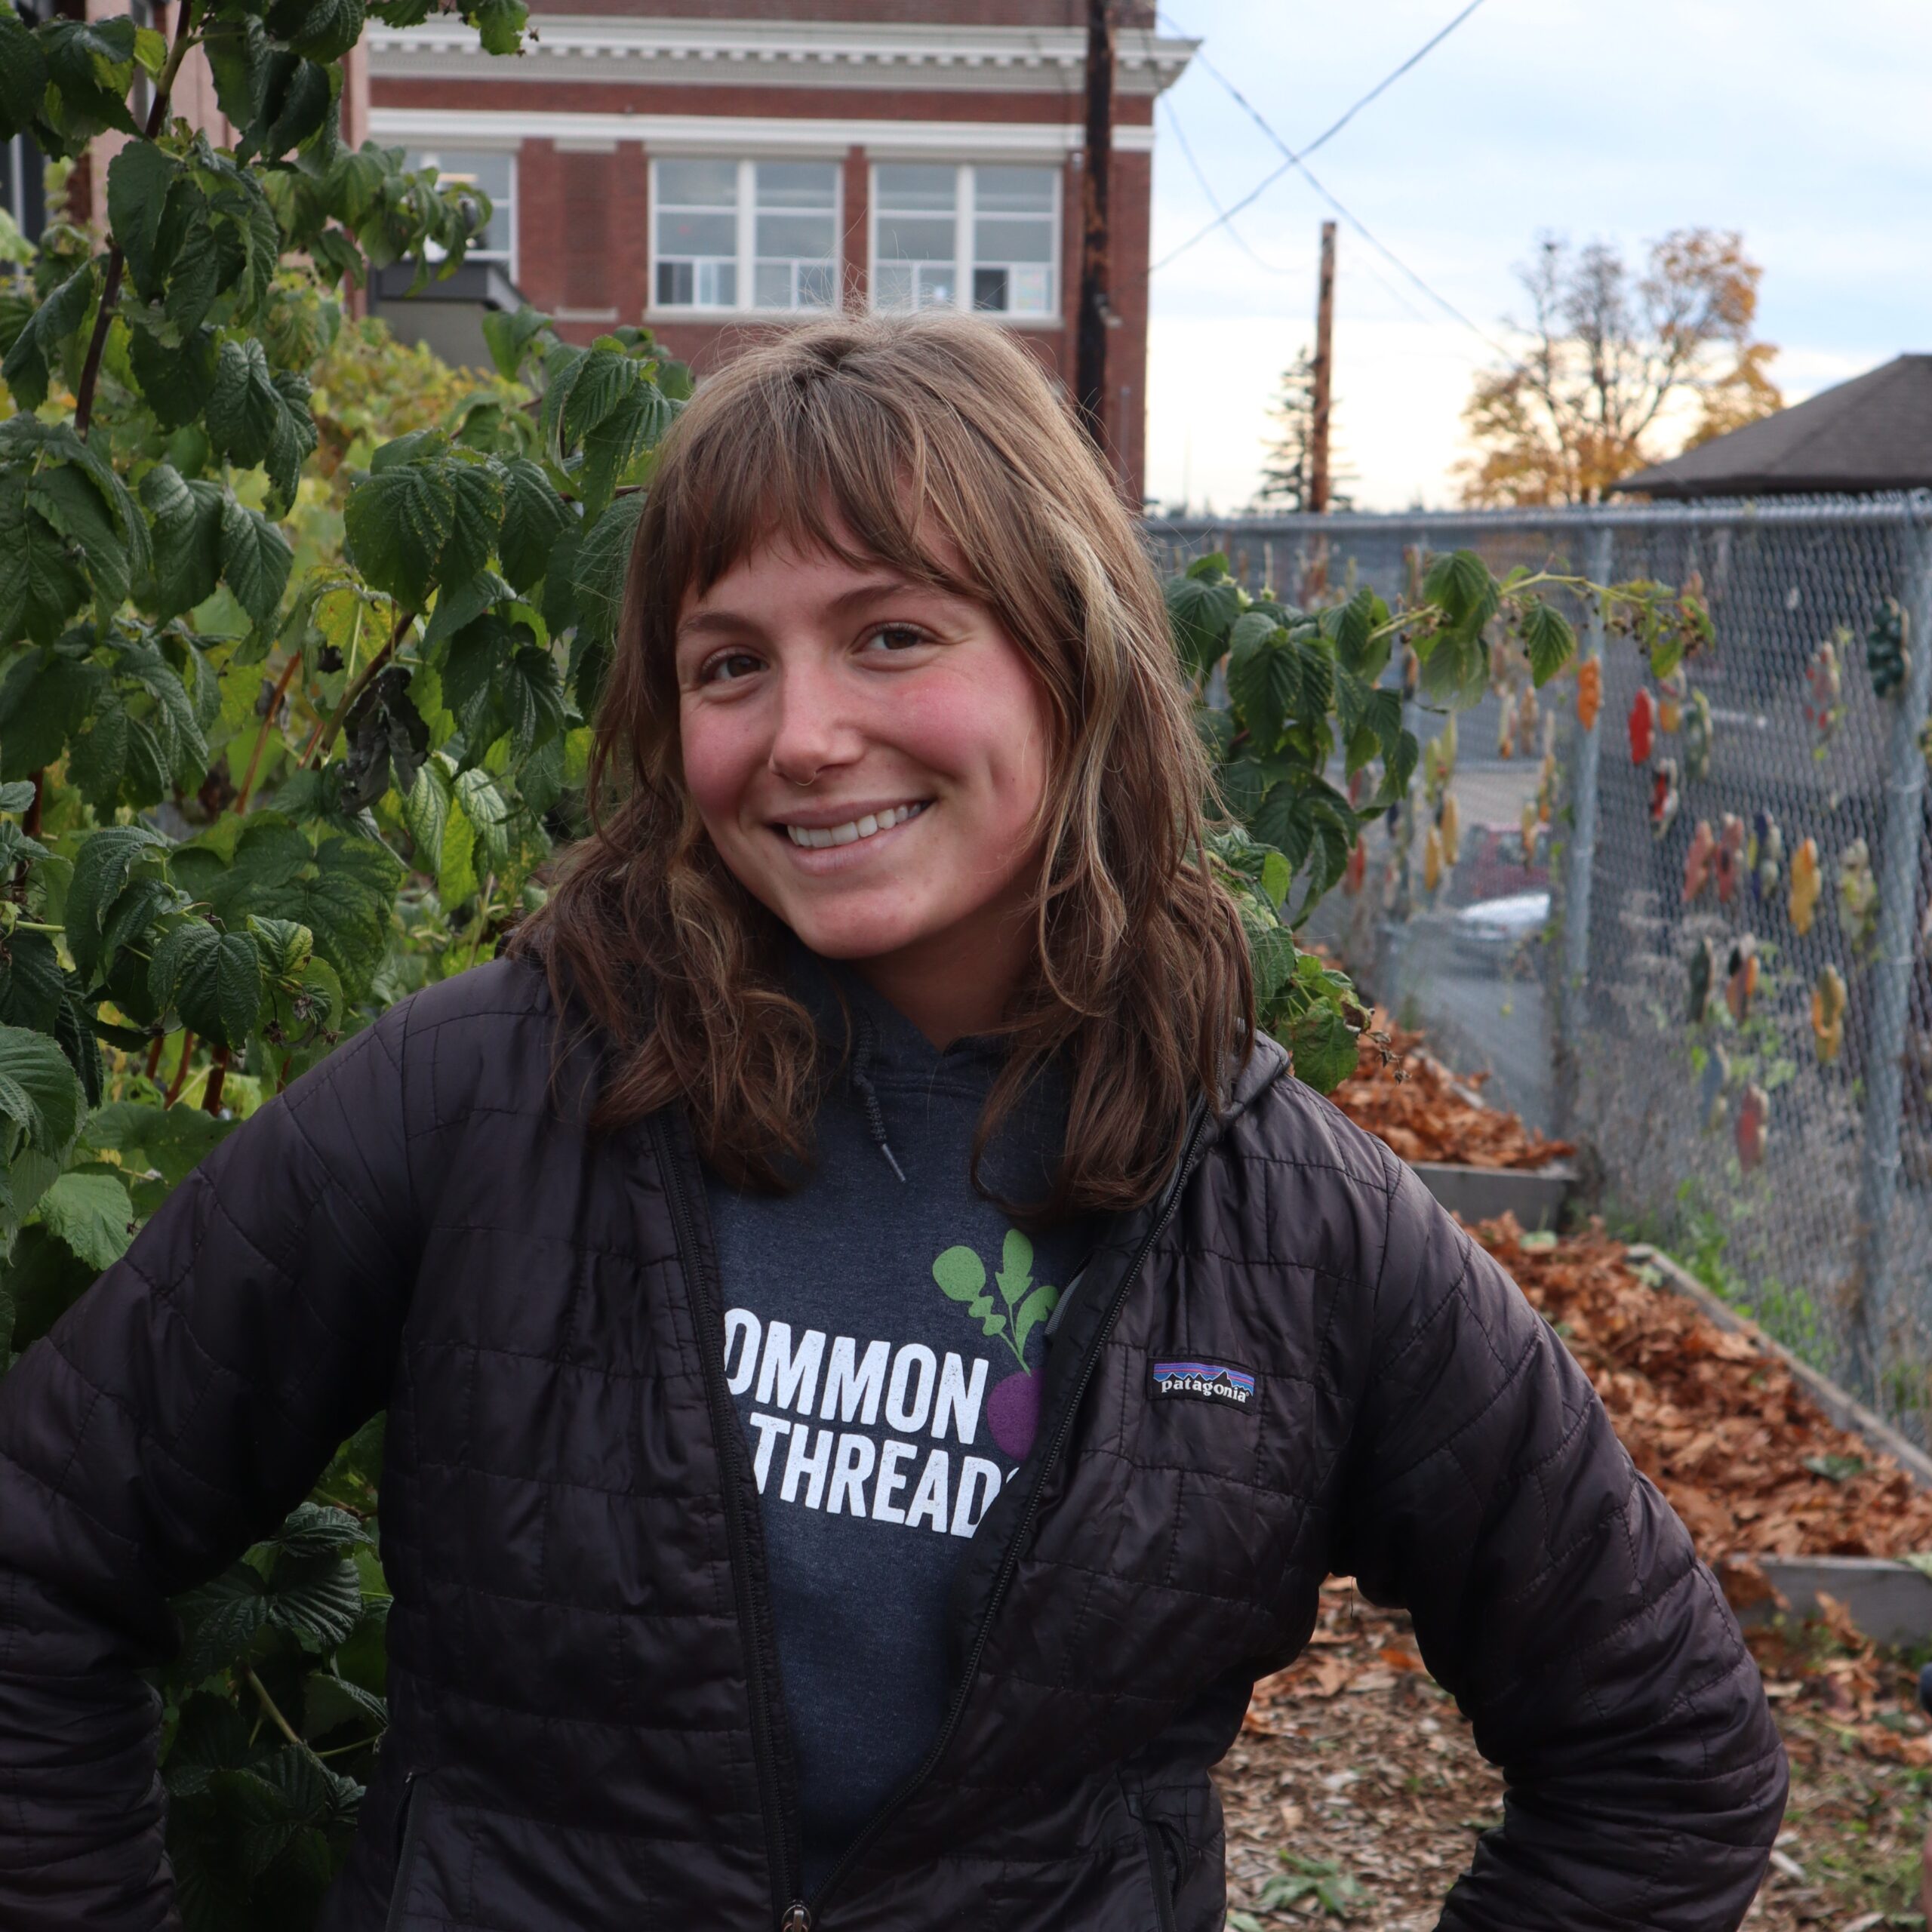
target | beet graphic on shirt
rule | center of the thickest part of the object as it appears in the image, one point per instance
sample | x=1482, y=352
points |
x=1013, y=1408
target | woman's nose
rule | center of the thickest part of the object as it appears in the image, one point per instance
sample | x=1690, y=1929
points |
x=815, y=730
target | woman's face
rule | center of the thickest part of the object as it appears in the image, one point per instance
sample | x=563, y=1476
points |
x=869, y=757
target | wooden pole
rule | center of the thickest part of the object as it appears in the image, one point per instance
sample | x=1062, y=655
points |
x=1089, y=365
x=1324, y=364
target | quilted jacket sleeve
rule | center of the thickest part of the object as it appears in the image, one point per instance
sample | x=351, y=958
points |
x=173, y=1416
x=1557, y=1595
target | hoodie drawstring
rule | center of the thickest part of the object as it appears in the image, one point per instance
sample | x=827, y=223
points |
x=862, y=1084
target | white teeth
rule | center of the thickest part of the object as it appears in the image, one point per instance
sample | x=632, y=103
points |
x=816, y=837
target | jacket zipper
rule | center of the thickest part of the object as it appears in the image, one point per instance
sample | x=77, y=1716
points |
x=801, y=1917
x=1164, y=1886
x=405, y=1856
x=788, y=1910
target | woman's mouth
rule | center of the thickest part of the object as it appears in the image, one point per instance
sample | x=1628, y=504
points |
x=867, y=825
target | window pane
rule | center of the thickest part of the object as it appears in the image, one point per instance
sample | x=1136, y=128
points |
x=892, y=286
x=699, y=184
x=1014, y=239
x=697, y=234
x=674, y=284
x=772, y=285
x=818, y=282
x=916, y=187
x=483, y=168
x=1013, y=190
x=914, y=239
x=797, y=184
x=989, y=289
x=1030, y=291
x=718, y=285
x=938, y=287
x=806, y=235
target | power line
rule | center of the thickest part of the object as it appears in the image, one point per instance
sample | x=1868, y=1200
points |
x=1214, y=200
x=1294, y=158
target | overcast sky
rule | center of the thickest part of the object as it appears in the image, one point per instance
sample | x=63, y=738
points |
x=1802, y=125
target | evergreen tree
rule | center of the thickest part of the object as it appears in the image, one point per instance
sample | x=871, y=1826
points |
x=1288, y=471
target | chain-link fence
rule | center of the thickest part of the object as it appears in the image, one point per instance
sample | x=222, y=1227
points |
x=1694, y=938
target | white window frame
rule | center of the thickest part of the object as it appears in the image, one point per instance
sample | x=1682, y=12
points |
x=965, y=222
x=429, y=153
x=747, y=241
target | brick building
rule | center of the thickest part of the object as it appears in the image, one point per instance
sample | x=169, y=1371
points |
x=714, y=167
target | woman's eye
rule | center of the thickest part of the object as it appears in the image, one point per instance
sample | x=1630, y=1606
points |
x=728, y=667
x=896, y=637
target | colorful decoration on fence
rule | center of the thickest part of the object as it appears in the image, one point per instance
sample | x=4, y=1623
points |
x=1729, y=866
x=1528, y=714
x=1641, y=724
x=1450, y=818
x=1740, y=979
x=1589, y=692
x=1827, y=1003
x=1664, y=799
x=1824, y=706
x=1356, y=870
x=1884, y=649
x=1754, y=1126
x=1699, y=860
x=1711, y=1085
x=1532, y=829
x=1505, y=729
x=1438, y=761
x=1432, y=860
x=1858, y=896
x=1806, y=883
x=1671, y=688
x=1392, y=883
x=1764, y=857
x=1703, y=976
x=1697, y=738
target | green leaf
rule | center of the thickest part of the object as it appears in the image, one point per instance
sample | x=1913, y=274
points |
x=603, y=563
x=500, y=24
x=31, y=983
x=1322, y=1045
x=38, y=1092
x=286, y=948
x=66, y=497
x=426, y=814
x=533, y=515
x=488, y=811
x=138, y=179
x=189, y=530
x=23, y=74
x=38, y=345
x=1016, y=1274
x=455, y=863
x=1549, y=638
x=243, y=405
x=212, y=979
x=236, y=50
x=960, y=1273
x=1461, y=584
x=1200, y=613
x=103, y=866
x=173, y=1141
x=509, y=335
x=1264, y=677
x=1033, y=1311
x=256, y=558
x=90, y=1214
x=322, y=30
x=91, y=64
x=396, y=525
x=319, y=1529
x=318, y=1600
x=221, y=1618
x=46, y=695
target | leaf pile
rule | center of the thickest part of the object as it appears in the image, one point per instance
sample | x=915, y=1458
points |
x=1424, y=1112
x=1732, y=1438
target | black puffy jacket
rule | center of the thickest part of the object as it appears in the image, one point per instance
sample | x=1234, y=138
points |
x=585, y=1734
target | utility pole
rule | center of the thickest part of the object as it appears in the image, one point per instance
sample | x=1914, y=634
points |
x=1324, y=367
x=1090, y=363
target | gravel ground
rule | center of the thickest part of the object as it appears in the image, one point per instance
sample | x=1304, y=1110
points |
x=1355, y=1794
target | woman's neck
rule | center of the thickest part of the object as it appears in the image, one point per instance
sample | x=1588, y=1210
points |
x=955, y=983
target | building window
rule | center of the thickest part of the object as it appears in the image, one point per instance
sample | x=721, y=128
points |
x=723, y=230
x=947, y=237
x=493, y=170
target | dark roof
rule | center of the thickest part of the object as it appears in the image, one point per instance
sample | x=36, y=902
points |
x=1874, y=432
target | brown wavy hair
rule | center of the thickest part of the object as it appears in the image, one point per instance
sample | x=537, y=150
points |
x=921, y=443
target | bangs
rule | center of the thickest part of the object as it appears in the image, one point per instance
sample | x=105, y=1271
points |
x=815, y=460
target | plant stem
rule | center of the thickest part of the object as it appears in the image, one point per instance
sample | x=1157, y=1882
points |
x=211, y=1100
x=30, y=825
x=325, y=733
x=36, y=926
x=154, y=1055
x=180, y=1079
x=275, y=1718
x=110, y=290
x=288, y=671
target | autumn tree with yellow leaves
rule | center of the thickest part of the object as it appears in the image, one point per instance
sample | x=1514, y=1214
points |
x=1613, y=358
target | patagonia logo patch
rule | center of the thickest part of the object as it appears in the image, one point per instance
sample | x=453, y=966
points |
x=1219, y=1382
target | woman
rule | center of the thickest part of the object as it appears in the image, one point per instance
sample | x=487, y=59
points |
x=878, y=1357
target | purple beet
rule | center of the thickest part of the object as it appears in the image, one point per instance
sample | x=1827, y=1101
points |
x=1013, y=1414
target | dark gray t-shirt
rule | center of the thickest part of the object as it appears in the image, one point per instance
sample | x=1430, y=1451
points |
x=883, y=1338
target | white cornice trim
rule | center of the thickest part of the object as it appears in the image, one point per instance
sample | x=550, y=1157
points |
x=802, y=53
x=726, y=134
